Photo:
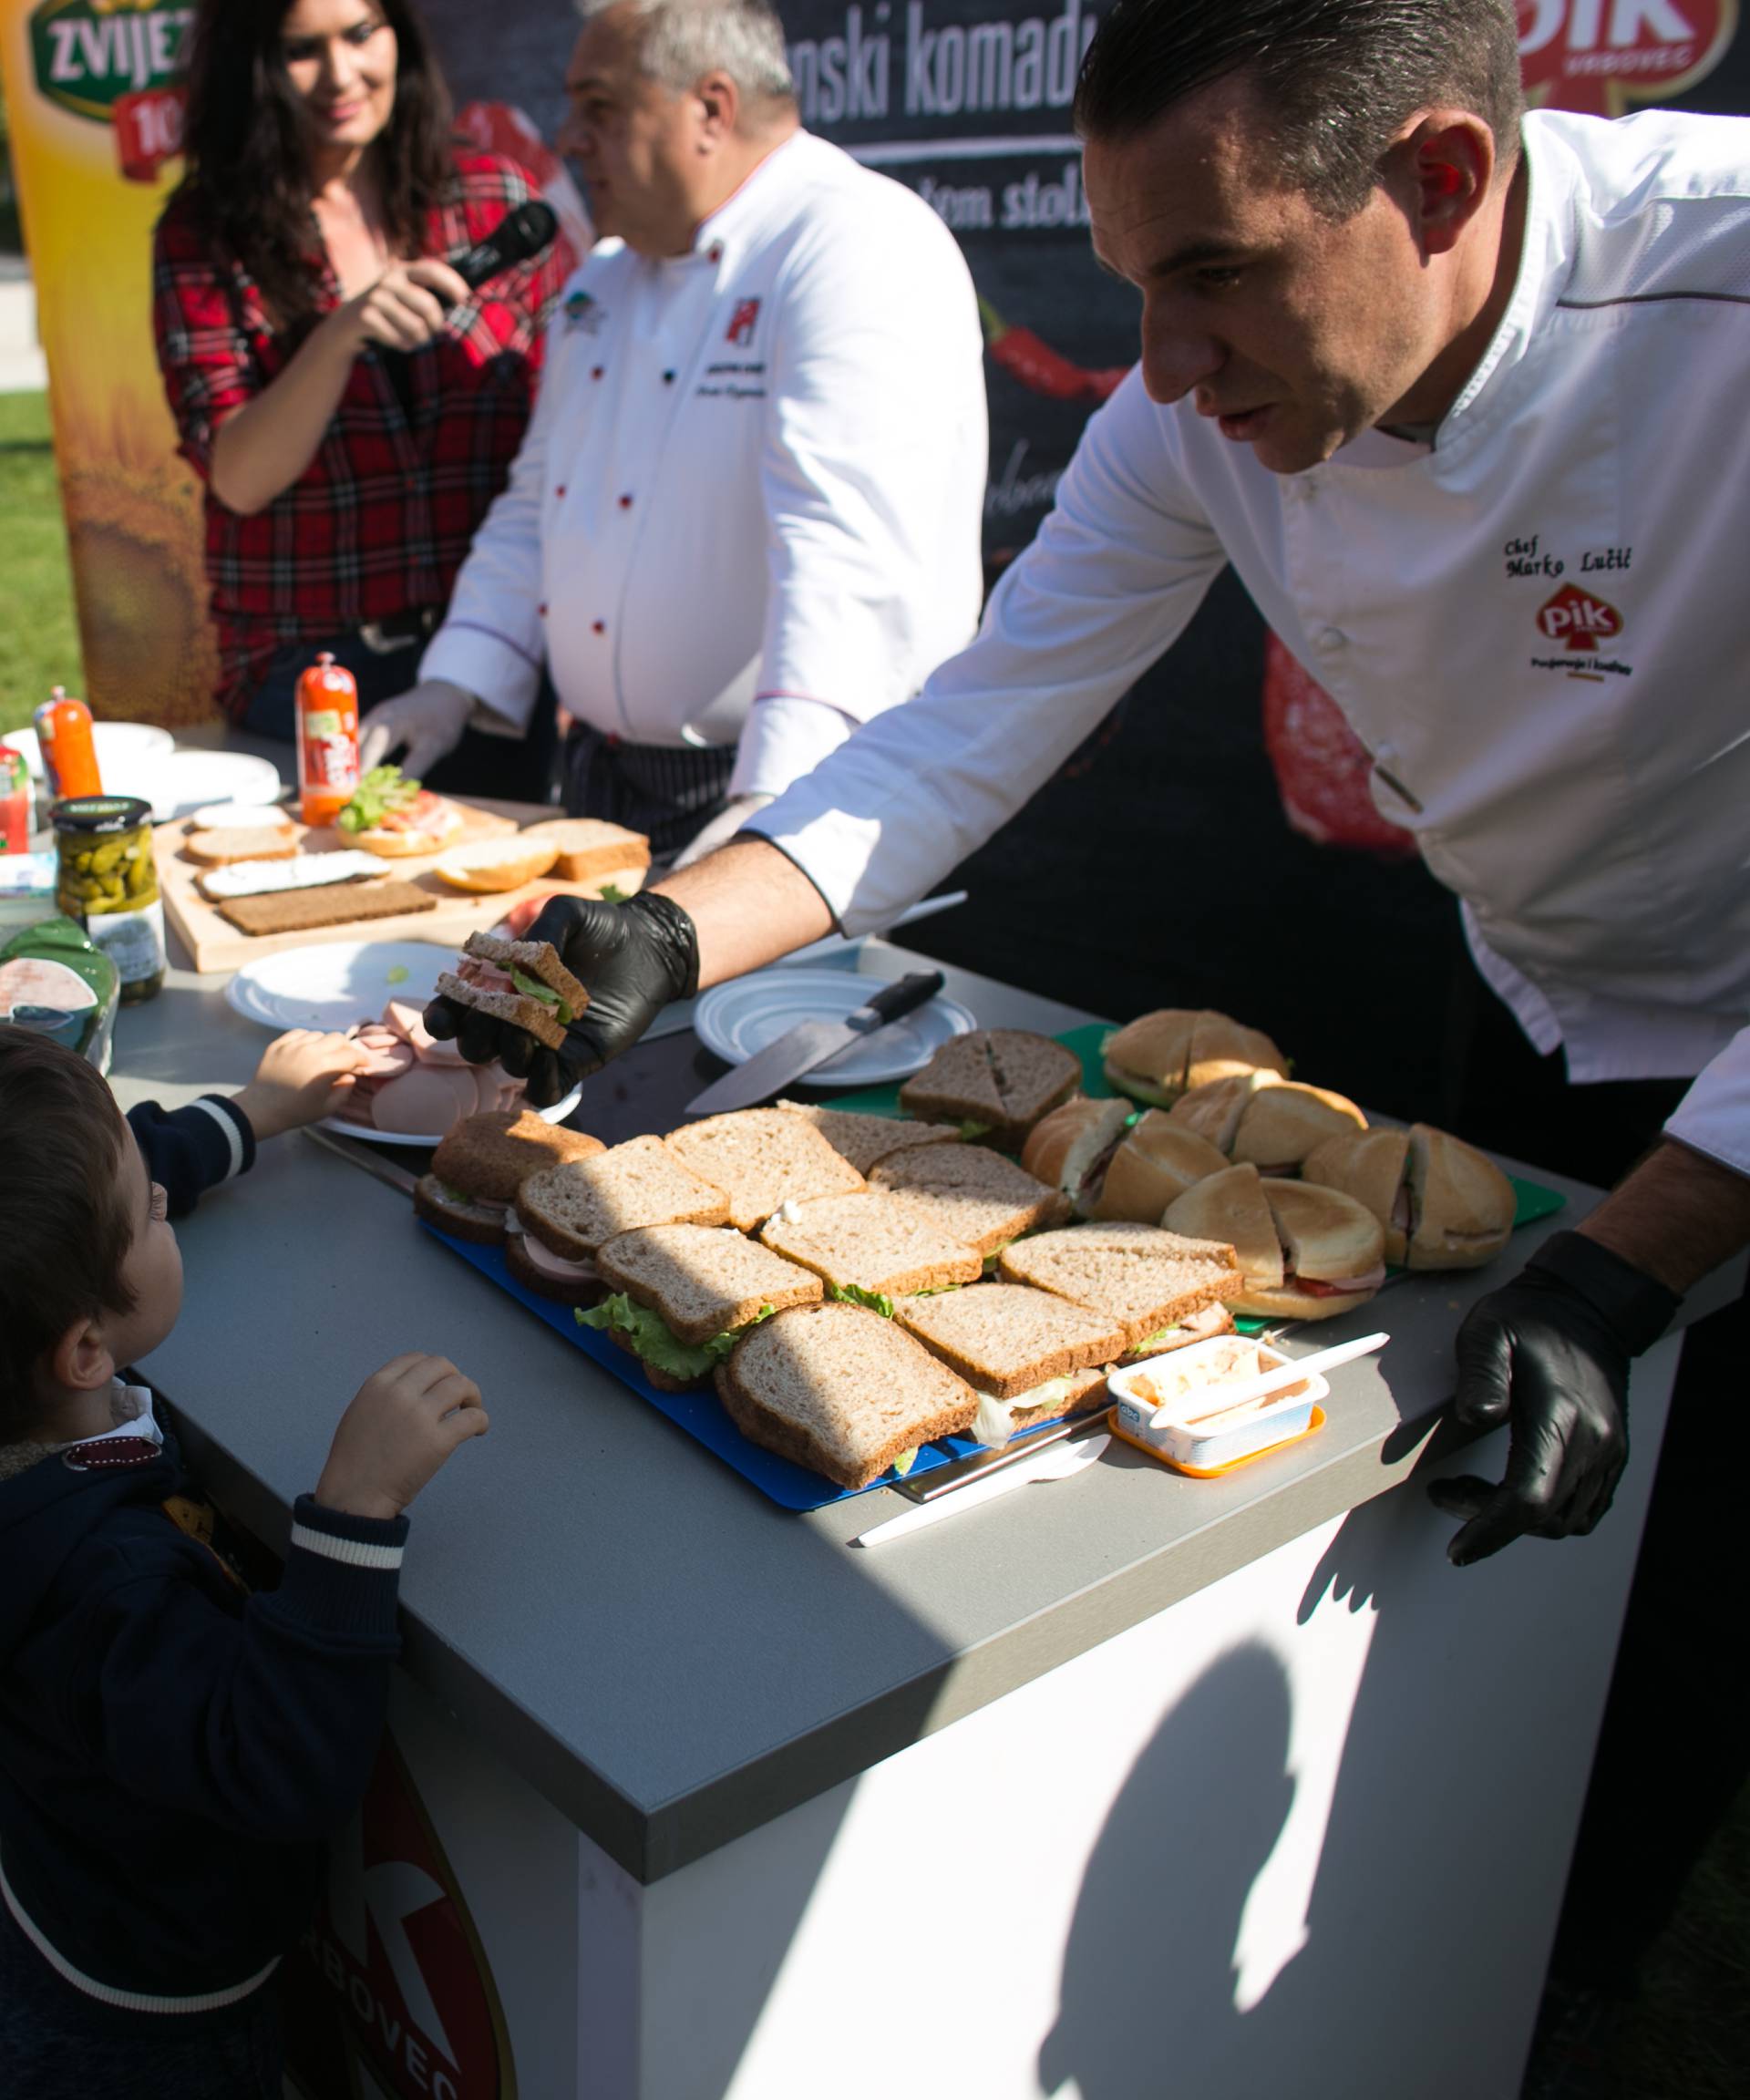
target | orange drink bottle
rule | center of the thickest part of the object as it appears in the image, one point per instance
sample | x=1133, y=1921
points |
x=327, y=720
x=69, y=755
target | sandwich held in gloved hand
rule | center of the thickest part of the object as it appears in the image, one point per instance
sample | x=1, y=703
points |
x=1548, y=1355
x=630, y=959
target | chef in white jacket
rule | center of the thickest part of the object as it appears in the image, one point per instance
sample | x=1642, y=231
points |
x=746, y=516
x=1461, y=395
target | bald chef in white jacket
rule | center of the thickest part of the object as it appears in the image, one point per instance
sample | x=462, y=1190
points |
x=745, y=516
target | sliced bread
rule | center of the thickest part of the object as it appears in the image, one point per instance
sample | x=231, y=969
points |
x=864, y=1139
x=491, y=1156
x=981, y=1197
x=704, y=1279
x=872, y=1243
x=587, y=847
x=1142, y=1277
x=1004, y=1078
x=575, y=1207
x=1004, y=1338
x=761, y=1158
x=841, y=1391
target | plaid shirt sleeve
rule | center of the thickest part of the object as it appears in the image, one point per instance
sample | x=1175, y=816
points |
x=203, y=351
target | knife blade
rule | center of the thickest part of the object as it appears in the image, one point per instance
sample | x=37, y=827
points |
x=811, y=1043
x=361, y=1156
x=959, y=1473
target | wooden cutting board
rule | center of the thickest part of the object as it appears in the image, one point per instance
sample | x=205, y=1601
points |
x=213, y=943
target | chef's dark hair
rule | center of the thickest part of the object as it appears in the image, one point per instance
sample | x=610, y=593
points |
x=247, y=164
x=65, y=1226
x=1336, y=77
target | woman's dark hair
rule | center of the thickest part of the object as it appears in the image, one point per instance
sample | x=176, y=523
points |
x=65, y=1228
x=1336, y=77
x=245, y=143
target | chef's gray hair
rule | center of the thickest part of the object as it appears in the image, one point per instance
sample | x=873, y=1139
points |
x=682, y=40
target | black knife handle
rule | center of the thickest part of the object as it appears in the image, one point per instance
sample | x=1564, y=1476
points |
x=893, y=1000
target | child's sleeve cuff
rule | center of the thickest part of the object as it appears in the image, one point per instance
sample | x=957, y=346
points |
x=343, y=1572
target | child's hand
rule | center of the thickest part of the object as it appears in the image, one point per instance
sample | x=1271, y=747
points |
x=302, y=1077
x=406, y=1421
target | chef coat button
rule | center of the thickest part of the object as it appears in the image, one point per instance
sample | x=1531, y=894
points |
x=597, y=373
x=714, y=254
x=668, y=378
x=1332, y=641
x=559, y=493
x=625, y=502
x=540, y=612
x=598, y=626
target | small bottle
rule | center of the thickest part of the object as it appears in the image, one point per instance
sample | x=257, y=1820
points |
x=327, y=721
x=14, y=801
x=69, y=753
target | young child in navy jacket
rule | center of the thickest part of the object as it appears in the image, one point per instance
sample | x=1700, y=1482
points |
x=174, y=1752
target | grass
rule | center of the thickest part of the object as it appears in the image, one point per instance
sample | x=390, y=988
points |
x=39, y=642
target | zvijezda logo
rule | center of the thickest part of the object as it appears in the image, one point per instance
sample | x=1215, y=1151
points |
x=88, y=55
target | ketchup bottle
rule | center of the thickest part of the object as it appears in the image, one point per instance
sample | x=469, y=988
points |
x=69, y=754
x=327, y=719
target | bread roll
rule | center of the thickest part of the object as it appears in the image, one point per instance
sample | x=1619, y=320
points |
x=1156, y=1162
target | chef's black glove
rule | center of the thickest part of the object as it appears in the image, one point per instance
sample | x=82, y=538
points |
x=631, y=958
x=1548, y=1354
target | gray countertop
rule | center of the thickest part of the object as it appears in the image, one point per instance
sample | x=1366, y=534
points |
x=668, y=1657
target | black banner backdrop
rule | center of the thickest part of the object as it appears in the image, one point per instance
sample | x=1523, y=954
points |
x=969, y=105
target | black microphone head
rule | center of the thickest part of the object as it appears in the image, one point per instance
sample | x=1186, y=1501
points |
x=519, y=235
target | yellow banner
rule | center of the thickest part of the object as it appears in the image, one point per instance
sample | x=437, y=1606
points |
x=95, y=127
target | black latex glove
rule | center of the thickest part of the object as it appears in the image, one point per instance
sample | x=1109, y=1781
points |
x=631, y=958
x=1548, y=1354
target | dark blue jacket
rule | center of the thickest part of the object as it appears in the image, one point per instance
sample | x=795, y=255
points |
x=175, y=1752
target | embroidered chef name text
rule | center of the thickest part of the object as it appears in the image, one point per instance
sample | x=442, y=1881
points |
x=742, y=379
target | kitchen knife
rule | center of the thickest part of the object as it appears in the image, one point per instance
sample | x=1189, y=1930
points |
x=357, y=1154
x=810, y=1042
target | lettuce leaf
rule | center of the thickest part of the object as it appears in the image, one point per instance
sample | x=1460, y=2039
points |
x=654, y=1341
x=854, y=1294
x=972, y=1131
x=903, y=1464
x=1160, y=1337
x=533, y=988
x=612, y=894
x=383, y=788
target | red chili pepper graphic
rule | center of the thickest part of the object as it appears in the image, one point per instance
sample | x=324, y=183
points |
x=1030, y=359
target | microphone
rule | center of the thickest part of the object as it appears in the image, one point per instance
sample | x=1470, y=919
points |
x=517, y=237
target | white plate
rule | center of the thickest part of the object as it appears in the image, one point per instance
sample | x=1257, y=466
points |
x=123, y=748
x=556, y=1113
x=336, y=983
x=341, y=983
x=178, y=783
x=738, y=1018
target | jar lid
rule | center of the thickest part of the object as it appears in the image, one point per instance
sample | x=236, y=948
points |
x=96, y=814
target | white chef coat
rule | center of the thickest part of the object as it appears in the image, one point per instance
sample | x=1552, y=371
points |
x=748, y=502
x=1540, y=627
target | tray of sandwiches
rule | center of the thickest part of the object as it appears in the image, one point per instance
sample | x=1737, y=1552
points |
x=240, y=881
x=835, y=1296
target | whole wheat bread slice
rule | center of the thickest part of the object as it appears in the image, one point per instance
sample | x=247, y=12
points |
x=761, y=1158
x=575, y=1207
x=1005, y=1078
x=872, y=1242
x=340, y=905
x=974, y=1193
x=1140, y=1276
x=864, y=1139
x=841, y=1391
x=704, y=1279
x=1004, y=1338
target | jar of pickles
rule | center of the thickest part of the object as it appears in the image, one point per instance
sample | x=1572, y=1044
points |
x=108, y=880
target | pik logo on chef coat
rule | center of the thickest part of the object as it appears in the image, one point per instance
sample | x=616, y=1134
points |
x=1578, y=621
x=740, y=330
x=393, y=1973
x=584, y=314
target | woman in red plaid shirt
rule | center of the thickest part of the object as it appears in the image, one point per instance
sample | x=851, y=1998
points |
x=350, y=406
